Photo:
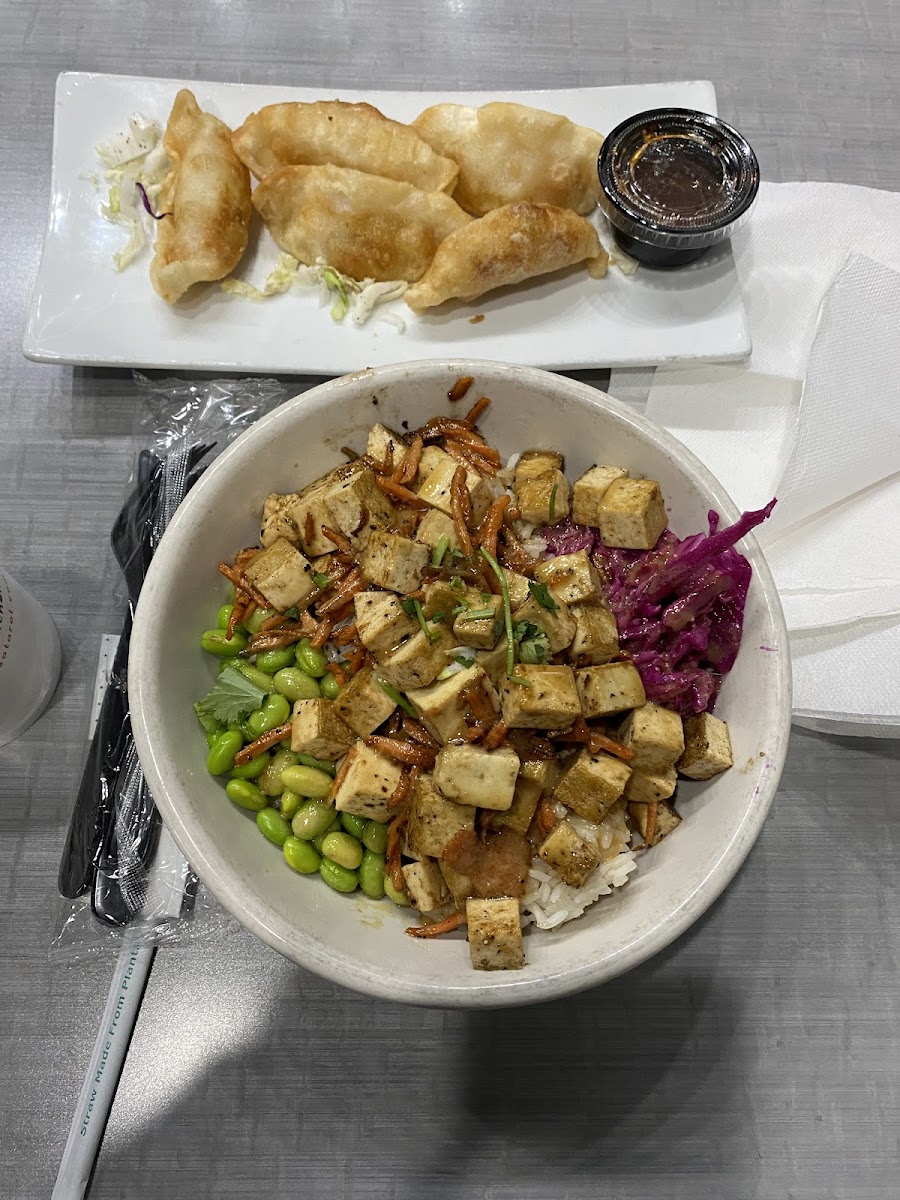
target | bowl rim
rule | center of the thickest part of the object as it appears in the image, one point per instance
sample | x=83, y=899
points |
x=307, y=951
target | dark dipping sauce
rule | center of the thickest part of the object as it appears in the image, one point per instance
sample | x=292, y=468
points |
x=675, y=182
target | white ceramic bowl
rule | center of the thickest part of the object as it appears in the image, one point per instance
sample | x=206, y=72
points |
x=352, y=940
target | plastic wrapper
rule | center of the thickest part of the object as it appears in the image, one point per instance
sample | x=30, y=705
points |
x=124, y=880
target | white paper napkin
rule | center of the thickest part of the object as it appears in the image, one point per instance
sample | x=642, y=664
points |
x=821, y=309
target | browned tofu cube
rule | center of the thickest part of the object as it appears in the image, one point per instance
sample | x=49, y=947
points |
x=495, y=934
x=435, y=489
x=707, y=747
x=472, y=775
x=394, y=562
x=418, y=662
x=569, y=854
x=440, y=598
x=363, y=703
x=548, y=698
x=632, y=514
x=654, y=821
x=572, y=578
x=384, y=445
x=592, y=784
x=434, y=526
x=536, y=462
x=588, y=491
x=318, y=730
x=356, y=507
x=609, y=688
x=434, y=821
x=381, y=622
x=524, y=803
x=368, y=785
x=558, y=624
x=517, y=586
x=442, y=708
x=481, y=625
x=283, y=575
x=425, y=885
x=493, y=662
x=596, y=636
x=649, y=787
x=459, y=885
x=545, y=772
x=276, y=521
x=656, y=736
x=543, y=499
x=309, y=511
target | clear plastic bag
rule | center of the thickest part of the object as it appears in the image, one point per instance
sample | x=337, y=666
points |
x=124, y=879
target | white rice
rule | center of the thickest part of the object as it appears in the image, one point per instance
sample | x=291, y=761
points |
x=550, y=901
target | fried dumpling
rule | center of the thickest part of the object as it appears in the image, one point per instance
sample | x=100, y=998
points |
x=363, y=225
x=508, y=245
x=508, y=152
x=346, y=135
x=207, y=198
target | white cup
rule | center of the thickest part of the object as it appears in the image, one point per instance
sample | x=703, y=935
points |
x=30, y=658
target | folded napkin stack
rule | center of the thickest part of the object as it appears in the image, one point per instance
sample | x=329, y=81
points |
x=813, y=418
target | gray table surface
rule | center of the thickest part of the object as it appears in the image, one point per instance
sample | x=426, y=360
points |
x=758, y=1056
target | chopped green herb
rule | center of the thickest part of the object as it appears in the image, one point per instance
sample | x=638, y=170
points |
x=431, y=634
x=498, y=627
x=409, y=606
x=397, y=697
x=437, y=554
x=541, y=593
x=320, y=580
x=460, y=608
x=520, y=681
x=553, y=491
x=478, y=614
x=486, y=597
x=456, y=583
x=507, y=610
x=535, y=647
x=440, y=615
x=293, y=613
x=231, y=699
x=464, y=660
x=456, y=553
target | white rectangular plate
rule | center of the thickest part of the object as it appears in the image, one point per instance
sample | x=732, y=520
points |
x=82, y=311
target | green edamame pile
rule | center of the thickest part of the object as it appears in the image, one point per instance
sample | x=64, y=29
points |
x=285, y=792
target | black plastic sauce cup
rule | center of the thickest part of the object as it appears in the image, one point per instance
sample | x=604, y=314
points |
x=675, y=182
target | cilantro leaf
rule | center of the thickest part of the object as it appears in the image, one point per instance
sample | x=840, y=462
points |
x=320, y=580
x=231, y=698
x=541, y=594
x=408, y=606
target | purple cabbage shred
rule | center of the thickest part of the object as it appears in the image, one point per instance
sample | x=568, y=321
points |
x=145, y=200
x=679, y=607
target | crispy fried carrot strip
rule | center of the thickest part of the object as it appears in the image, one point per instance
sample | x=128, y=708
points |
x=273, y=622
x=341, y=775
x=471, y=417
x=406, y=471
x=309, y=624
x=262, y=743
x=405, y=785
x=460, y=505
x=392, y=864
x=338, y=672
x=352, y=583
x=241, y=609
x=545, y=817
x=469, y=458
x=357, y=659
x=460, y=388
x=418, y=733
x=243, y=584
x=439, y=927
x=275, y=640
x=399, y=492
x=512, y=553
x=404, y=752
x=322, y=633
x=652, y=808
x=245, y=557
x=496, y=736
x=490, y=526
x=343, y=637
x=599, y=741
x=309, y=528
x=340, y=540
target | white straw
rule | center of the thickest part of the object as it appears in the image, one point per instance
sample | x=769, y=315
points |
x=99, y=1087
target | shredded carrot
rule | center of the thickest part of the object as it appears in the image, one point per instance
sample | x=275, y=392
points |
x=418, y=733
x=512, y=553
x=343, y=637
x=275, y=640
x=470, y=459
x=243, y=584
x=496, y=736
x=278, y=734
x=272, y=622
x=349, y=453
x=439, y=927
x=545, y=817
x=460, y=504
x=404, y=787
x=352, y=583
x=245, y=557
x=406, y=471
x=241, y=609
x=363, y=518
x=341, y=775
x=340, y=540
x=490, y=526
x=594, y=740
x=399, y=492
x=338, y=672
x=392, y=863
x=651, y=822
x=357, y=659
x=471, y=417
x=460, y=388
x=322, y=633
x=309, y=624
x=309, y=528
x=404, y=752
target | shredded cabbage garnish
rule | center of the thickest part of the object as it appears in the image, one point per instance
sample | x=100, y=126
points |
x=133, y=155
x=136, y=141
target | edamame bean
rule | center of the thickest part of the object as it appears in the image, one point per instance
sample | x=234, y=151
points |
x=221, y=753
x=245, y=794
x=296, y=684
x=256, y=618
x=252, y=769
x=214, y=641
x=330, y=687
x=353, y=825
x=320, y=764
x=211, y=737
x=273, y=660
x=224, y=616
x=289, y=804
x=371, y=875
x=307, y=781
x=343, y=849
x=271, y=778
x=274, y=712
x=338, y=877
x=310, y=659
x=399, y=898
x=317, y=841
x=300, y=856
x=272, y=825
x=374, y=837
x=312, y=820
x=263, y=681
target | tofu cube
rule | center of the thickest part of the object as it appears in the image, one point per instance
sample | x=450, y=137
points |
x=460, y=886
x=546, y=773
x=440, y=597
x=707, y=747
x=381, y=623
x=654, y=821
x=569, y=854
x=471, y=775
x=481, y=633
x=418, y=662
x=589, y=489
x=394, y=562
x=318, y=730
x=593, y=784
x=366, y=789
x=517, y=586
x=548, y=700
x=283, y=575
x=439, y=705
x=493, y=662
x=276, y=521
x=434, y=821
x=572, y=578
x=537, y=462
x=596, y=636
x=432, y=458
x=309, y=512
x=434, y=526
x=357, y=508
x=435, y=489
x=649, y=787
x=543, y=499
x=524, y=803
x=632, y=514
x=558, y=625
x=609, y=688
x=425, y=885
x=495, y=934
x=383, y=442
x=655, y=734
x=363, y=703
